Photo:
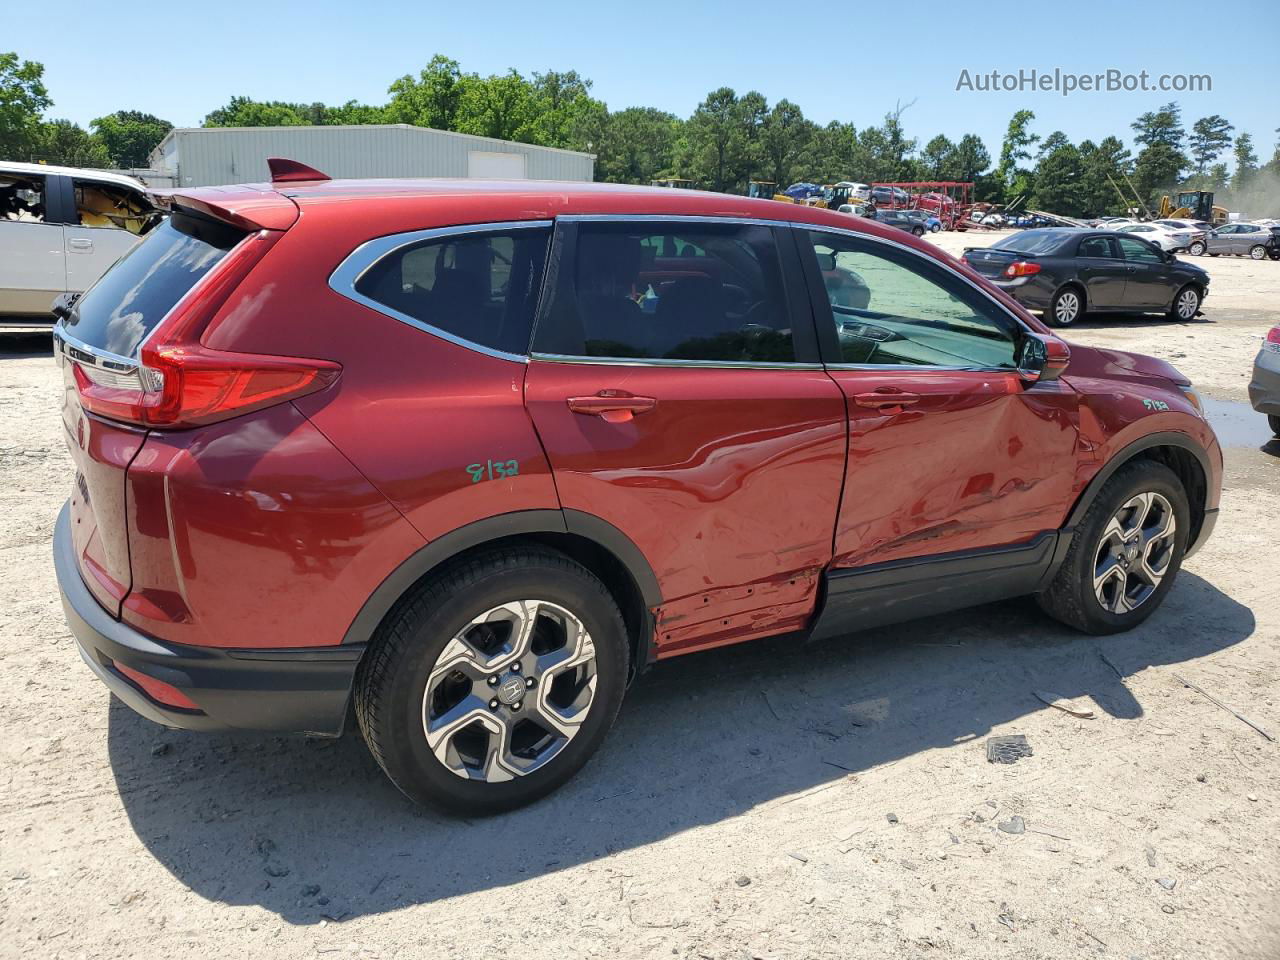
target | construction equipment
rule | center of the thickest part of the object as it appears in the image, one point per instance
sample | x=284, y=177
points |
x=1193, y=205
x=675, y=183
x=766, y=190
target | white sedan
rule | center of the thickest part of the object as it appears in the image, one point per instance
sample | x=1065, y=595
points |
x=1167, y=239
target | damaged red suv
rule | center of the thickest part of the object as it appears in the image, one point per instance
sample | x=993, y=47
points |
x=462, y=458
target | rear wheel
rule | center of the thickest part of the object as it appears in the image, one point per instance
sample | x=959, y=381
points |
x=495, y=681
x=1066, y=307
x=1186, y=304
x=1125, y=553
x=1273, y=422
x=1258, y=252
x=1196, y=249
x=917, y=231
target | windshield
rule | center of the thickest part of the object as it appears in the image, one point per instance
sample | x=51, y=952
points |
x=118, y=311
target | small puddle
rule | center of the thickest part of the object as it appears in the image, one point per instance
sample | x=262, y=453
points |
x=1236, y=424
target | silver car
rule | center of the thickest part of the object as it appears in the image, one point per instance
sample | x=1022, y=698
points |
x=1264, y=390
x=1245, y=239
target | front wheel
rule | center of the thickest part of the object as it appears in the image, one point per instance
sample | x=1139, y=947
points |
x=1273, y=422
x=495, y=681
x=1258, y=252
x=1125, y=553
x=934, y=228
x=1066, y=307
x=1196, y=249
x=1185, y=305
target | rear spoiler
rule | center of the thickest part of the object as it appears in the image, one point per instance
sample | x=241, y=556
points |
x=247, y=207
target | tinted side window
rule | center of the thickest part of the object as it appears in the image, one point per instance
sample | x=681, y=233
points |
x=1096, y=247
x=480, y=287
x=891, y=307
x=696, y=291
x=1137, y=250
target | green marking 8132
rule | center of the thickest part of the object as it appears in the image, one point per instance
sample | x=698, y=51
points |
x=493, y=470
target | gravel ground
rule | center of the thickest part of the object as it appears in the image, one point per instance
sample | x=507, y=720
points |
x=773, y=800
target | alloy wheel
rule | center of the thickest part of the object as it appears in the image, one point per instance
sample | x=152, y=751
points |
x=1067, y=308
x=1134, y=553
x=1258, y=252
x=509, y=691
x=1188, y=304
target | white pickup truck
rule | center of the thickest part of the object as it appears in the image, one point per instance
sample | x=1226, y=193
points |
x=60, y=229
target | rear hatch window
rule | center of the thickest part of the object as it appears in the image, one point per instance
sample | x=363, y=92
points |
x=117, y=312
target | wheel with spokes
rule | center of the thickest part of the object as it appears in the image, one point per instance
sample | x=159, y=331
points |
x=1066, y=307
x=1125, y=553
x=495, y=682
x=1186, y=304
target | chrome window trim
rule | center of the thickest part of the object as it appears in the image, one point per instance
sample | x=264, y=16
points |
x=97, y=356
x=673, y=218
x=665, y=362
x=359, y=261
x=919, y=368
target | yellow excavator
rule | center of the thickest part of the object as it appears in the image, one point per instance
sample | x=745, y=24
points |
x=766, y=190
x=1192, y=205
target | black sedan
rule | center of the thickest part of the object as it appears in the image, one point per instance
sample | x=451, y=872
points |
x=908, y=220
x=1066, y=272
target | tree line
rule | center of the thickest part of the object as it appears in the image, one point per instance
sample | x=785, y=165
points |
x=728, y=141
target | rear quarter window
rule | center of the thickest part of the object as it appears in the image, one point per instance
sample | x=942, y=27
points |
x=479, y=287
x=118, y=312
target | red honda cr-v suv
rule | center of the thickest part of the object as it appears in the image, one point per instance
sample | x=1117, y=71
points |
x=467, y=456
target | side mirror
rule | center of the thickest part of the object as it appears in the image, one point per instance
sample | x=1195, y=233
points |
x=62, y=305
x=1042, y=357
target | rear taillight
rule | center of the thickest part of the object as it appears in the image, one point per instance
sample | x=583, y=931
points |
x=1021, y=268
x=182, y=383
x=1273, y=339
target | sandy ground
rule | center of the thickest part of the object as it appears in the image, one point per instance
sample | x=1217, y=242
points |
x=774, y=800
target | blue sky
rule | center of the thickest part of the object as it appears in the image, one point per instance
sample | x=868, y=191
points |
x=181, y=60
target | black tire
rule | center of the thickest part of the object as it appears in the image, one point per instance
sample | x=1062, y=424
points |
x=1273, y=421
x=1071, y=598
x=1257, y=252
x=917, y=231
x=1197, y=248
x=392, y=679
x=1181, y=310
x=1213, y=254
x=1059, y=313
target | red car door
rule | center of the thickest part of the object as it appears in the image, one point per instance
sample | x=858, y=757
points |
x=959, y=472
x=676, y=386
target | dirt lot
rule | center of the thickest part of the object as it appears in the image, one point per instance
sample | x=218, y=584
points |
x=830, y=800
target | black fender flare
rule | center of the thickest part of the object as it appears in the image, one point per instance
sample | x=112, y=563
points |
x=1124, y=455
x=521, y=522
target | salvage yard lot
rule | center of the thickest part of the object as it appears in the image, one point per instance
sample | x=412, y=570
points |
x=772, y=800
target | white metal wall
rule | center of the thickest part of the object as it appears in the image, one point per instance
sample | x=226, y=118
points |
x=221, y=155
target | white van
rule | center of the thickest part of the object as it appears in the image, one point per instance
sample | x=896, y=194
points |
x=60, y=229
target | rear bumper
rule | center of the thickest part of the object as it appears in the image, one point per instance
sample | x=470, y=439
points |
x=1027, y=291
x=295, y=690
x=1264, y=389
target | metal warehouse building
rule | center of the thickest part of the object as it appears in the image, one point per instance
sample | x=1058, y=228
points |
x=211, y=156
